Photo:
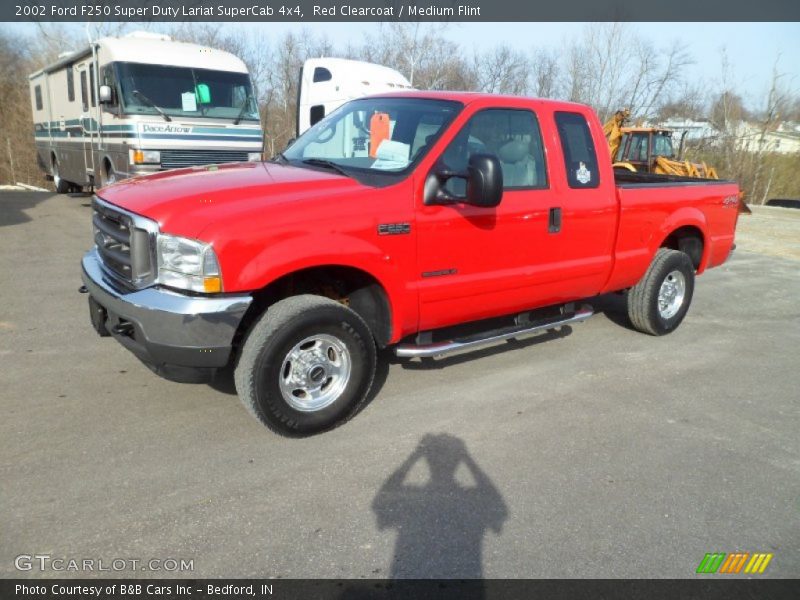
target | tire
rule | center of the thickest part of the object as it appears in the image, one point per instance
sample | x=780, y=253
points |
x=108, y=176
x=62, y=186
x=659, y=302
x=306, y=366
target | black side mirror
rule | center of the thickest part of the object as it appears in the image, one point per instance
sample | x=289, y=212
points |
x=290, y=142
x=484, y=180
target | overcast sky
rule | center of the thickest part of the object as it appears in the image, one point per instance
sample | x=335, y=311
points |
x=751, y=47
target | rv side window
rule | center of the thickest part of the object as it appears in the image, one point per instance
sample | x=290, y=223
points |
x=83, y=90
x=70, y=84
x=37, y=91
x=91, y=85
x=322, y=74
x=317, y=113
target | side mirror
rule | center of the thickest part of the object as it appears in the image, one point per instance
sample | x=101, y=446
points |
x=484, y=180
x=484, y=177
x=290, y=142
x=105, y=94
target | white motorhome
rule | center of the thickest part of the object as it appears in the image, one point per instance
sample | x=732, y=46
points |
x=327, y=83
x=139, y=104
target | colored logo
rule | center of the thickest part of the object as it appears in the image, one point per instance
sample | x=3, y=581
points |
x=736, y=562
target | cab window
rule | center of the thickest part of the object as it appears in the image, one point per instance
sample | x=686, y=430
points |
x=580, y=158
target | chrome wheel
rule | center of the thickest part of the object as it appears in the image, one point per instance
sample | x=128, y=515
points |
x=315, y=373
x=671, y=294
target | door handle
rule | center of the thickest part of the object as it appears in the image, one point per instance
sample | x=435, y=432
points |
x=554, y=220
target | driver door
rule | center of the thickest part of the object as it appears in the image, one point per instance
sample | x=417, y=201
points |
x=477, y=262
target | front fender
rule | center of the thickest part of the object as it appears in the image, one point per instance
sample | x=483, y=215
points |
x=251, y=267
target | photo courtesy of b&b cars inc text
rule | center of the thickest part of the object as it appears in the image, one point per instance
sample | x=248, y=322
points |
x=375, y=299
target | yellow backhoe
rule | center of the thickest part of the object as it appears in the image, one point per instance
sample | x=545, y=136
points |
x=649, y=150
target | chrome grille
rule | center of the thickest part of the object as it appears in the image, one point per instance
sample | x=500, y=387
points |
x=123, y=241
x=174, y=159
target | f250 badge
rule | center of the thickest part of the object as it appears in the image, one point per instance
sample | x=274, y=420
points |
x=730, y=201
x=583, y=174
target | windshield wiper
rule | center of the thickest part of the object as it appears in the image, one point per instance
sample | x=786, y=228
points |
x=241, y=112
x=321, y=162
x=141, y=96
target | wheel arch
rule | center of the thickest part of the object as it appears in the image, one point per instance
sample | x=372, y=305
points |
x=688, y=239
x=354, y=287
x=685, y=230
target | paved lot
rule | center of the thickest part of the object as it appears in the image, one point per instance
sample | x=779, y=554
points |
x=603, y=453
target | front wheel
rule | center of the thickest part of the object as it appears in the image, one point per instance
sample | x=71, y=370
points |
x=306, y=366
x=108, y=176
x=62, y=186
x=659, y=302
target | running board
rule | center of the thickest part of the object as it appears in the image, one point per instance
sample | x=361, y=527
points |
x=489, y=337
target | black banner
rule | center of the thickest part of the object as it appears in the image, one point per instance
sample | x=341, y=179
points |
x=397, y=10
x=361, y=589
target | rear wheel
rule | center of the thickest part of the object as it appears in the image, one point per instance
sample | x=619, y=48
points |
x=306, y=365
x=659, y=302
x=62, y=186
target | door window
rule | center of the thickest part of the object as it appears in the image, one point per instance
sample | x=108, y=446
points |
x=513, y=136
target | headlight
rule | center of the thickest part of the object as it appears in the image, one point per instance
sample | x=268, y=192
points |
x=144, y=157
x=188, y=265
x=254, y=156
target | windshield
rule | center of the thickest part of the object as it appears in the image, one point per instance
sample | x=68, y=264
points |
x=185, y=92
x=374, y=136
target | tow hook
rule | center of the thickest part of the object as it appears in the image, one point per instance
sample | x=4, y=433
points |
x=125, y=329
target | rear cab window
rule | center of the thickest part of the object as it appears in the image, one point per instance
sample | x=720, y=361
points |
x=580, y=157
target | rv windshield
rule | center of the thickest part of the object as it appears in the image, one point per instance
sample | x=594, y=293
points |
x=185, y=91
x=374, y=136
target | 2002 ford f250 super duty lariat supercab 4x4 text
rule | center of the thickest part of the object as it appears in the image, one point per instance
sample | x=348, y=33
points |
x=388, y=223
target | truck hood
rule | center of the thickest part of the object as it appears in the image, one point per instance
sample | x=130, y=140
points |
x=186, y=201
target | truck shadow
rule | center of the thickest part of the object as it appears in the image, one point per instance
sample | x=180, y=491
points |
x=614, y=307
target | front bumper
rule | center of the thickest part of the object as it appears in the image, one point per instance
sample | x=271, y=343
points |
x=178, y=336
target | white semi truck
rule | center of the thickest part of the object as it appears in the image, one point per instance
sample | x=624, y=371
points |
x=139, y=104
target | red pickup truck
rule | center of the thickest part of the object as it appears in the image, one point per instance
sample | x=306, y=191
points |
x=390, y=222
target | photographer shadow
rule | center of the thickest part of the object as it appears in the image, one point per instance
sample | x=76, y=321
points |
x=440, y=523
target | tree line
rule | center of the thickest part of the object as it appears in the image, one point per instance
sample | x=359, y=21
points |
x=608, y=66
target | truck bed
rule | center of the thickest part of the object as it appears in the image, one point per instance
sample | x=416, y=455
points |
x=626, y=178
x=652, y=207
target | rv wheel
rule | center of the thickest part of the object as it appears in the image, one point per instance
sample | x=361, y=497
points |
x=108, y=176
x=62, y=187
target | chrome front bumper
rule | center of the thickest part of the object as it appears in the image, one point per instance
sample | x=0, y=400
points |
x=168, y=331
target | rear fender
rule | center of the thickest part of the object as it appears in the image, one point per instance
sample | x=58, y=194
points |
x=687, y=216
